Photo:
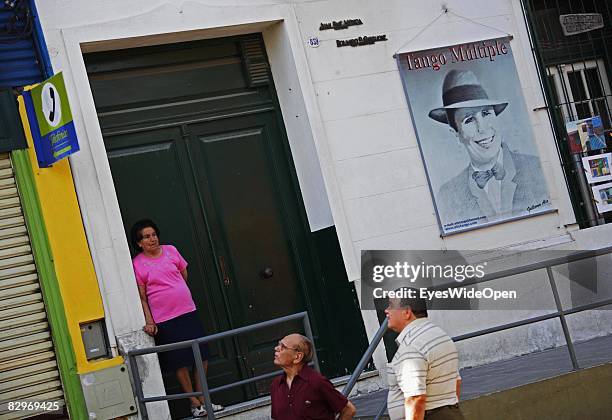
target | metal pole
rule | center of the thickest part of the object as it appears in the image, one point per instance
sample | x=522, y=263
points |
x=197, y=358
x=566, y=333
x=172, y=397
x=365, y=358
x=246, y=381
x=381, y=410
x=217, y=336
x=137, y=386
x=308, y=331
x=585, y=191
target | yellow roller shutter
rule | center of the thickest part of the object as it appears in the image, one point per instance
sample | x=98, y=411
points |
x=28, y=368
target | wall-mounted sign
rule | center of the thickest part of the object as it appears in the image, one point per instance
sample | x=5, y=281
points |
x=342, y=24
x=474, y=133
x=50, y=121
x=581, y=22
x=314, y=42
x=362, y=40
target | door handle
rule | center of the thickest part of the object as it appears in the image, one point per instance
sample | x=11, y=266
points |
x=266, y=273
x=226, y=278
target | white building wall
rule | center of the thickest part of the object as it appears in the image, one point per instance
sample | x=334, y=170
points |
x=345, y=112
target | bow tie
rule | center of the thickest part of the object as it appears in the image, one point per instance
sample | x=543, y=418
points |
x=482, y=177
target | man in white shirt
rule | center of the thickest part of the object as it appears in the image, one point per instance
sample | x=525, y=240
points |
x=424, y=381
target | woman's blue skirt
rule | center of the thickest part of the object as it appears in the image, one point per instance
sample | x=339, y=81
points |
x=183, y=327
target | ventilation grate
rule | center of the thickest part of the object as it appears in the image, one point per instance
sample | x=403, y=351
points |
x=255, y=62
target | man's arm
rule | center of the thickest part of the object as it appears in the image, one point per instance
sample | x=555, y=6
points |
x=411, y=377
x=458, y=388
x=348, y=411
x=335, y=400
x=415, y=407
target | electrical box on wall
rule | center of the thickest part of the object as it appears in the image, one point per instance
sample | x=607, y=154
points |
x=94, y=340
x=108, y=393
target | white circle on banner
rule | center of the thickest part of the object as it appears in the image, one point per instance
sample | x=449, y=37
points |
x=51, y=105
x=313, y=41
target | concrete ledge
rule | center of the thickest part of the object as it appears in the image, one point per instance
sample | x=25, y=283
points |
x=584, y=394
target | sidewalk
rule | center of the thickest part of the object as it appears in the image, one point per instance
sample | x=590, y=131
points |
x=483, y=380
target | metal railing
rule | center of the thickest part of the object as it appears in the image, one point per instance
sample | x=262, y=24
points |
x=195, y=347
x=560, y=312
x=365, y=359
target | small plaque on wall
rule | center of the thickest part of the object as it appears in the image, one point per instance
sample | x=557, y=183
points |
x=341, y=24
x=580, y=22
x=360, y=41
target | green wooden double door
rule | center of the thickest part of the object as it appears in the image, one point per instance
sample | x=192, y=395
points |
x=199, y=147
x=214, y=188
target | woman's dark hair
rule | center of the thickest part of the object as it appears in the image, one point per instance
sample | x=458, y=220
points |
x=136, y=232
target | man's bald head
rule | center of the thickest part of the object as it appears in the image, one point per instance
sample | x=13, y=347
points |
x=302, y=344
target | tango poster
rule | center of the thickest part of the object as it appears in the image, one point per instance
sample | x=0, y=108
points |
x=474, y=134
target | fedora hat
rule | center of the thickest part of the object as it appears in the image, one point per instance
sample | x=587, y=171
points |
x=461, y=89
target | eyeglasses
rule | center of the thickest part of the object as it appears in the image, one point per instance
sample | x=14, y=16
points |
x=284, y=347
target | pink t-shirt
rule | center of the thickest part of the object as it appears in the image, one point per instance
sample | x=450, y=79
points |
x=167, y=292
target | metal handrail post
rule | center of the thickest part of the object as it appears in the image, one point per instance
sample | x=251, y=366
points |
x=197, y=356
x=365, y=358
x=566, y=333
x=172, y=397
x=574, y=257
x=381, y=410
x=246, y=381
x=308, y=332
x=221, y=335
x=132, y=364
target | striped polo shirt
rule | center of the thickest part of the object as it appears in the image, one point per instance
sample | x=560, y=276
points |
x=426, y=362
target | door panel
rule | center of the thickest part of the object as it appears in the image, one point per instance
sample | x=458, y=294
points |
x=242, y=188
x=152, y=180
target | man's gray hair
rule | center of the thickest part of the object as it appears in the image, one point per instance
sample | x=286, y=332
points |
x=417, y=304
x=306, y=347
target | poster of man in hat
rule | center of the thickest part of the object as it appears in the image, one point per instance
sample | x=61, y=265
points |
x=474, y=134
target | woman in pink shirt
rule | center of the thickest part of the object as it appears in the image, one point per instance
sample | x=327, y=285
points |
x=170, y=314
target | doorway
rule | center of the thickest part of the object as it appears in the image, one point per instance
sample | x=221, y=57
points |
x=196, y=142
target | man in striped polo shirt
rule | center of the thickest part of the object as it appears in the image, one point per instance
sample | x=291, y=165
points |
x=423, y=376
